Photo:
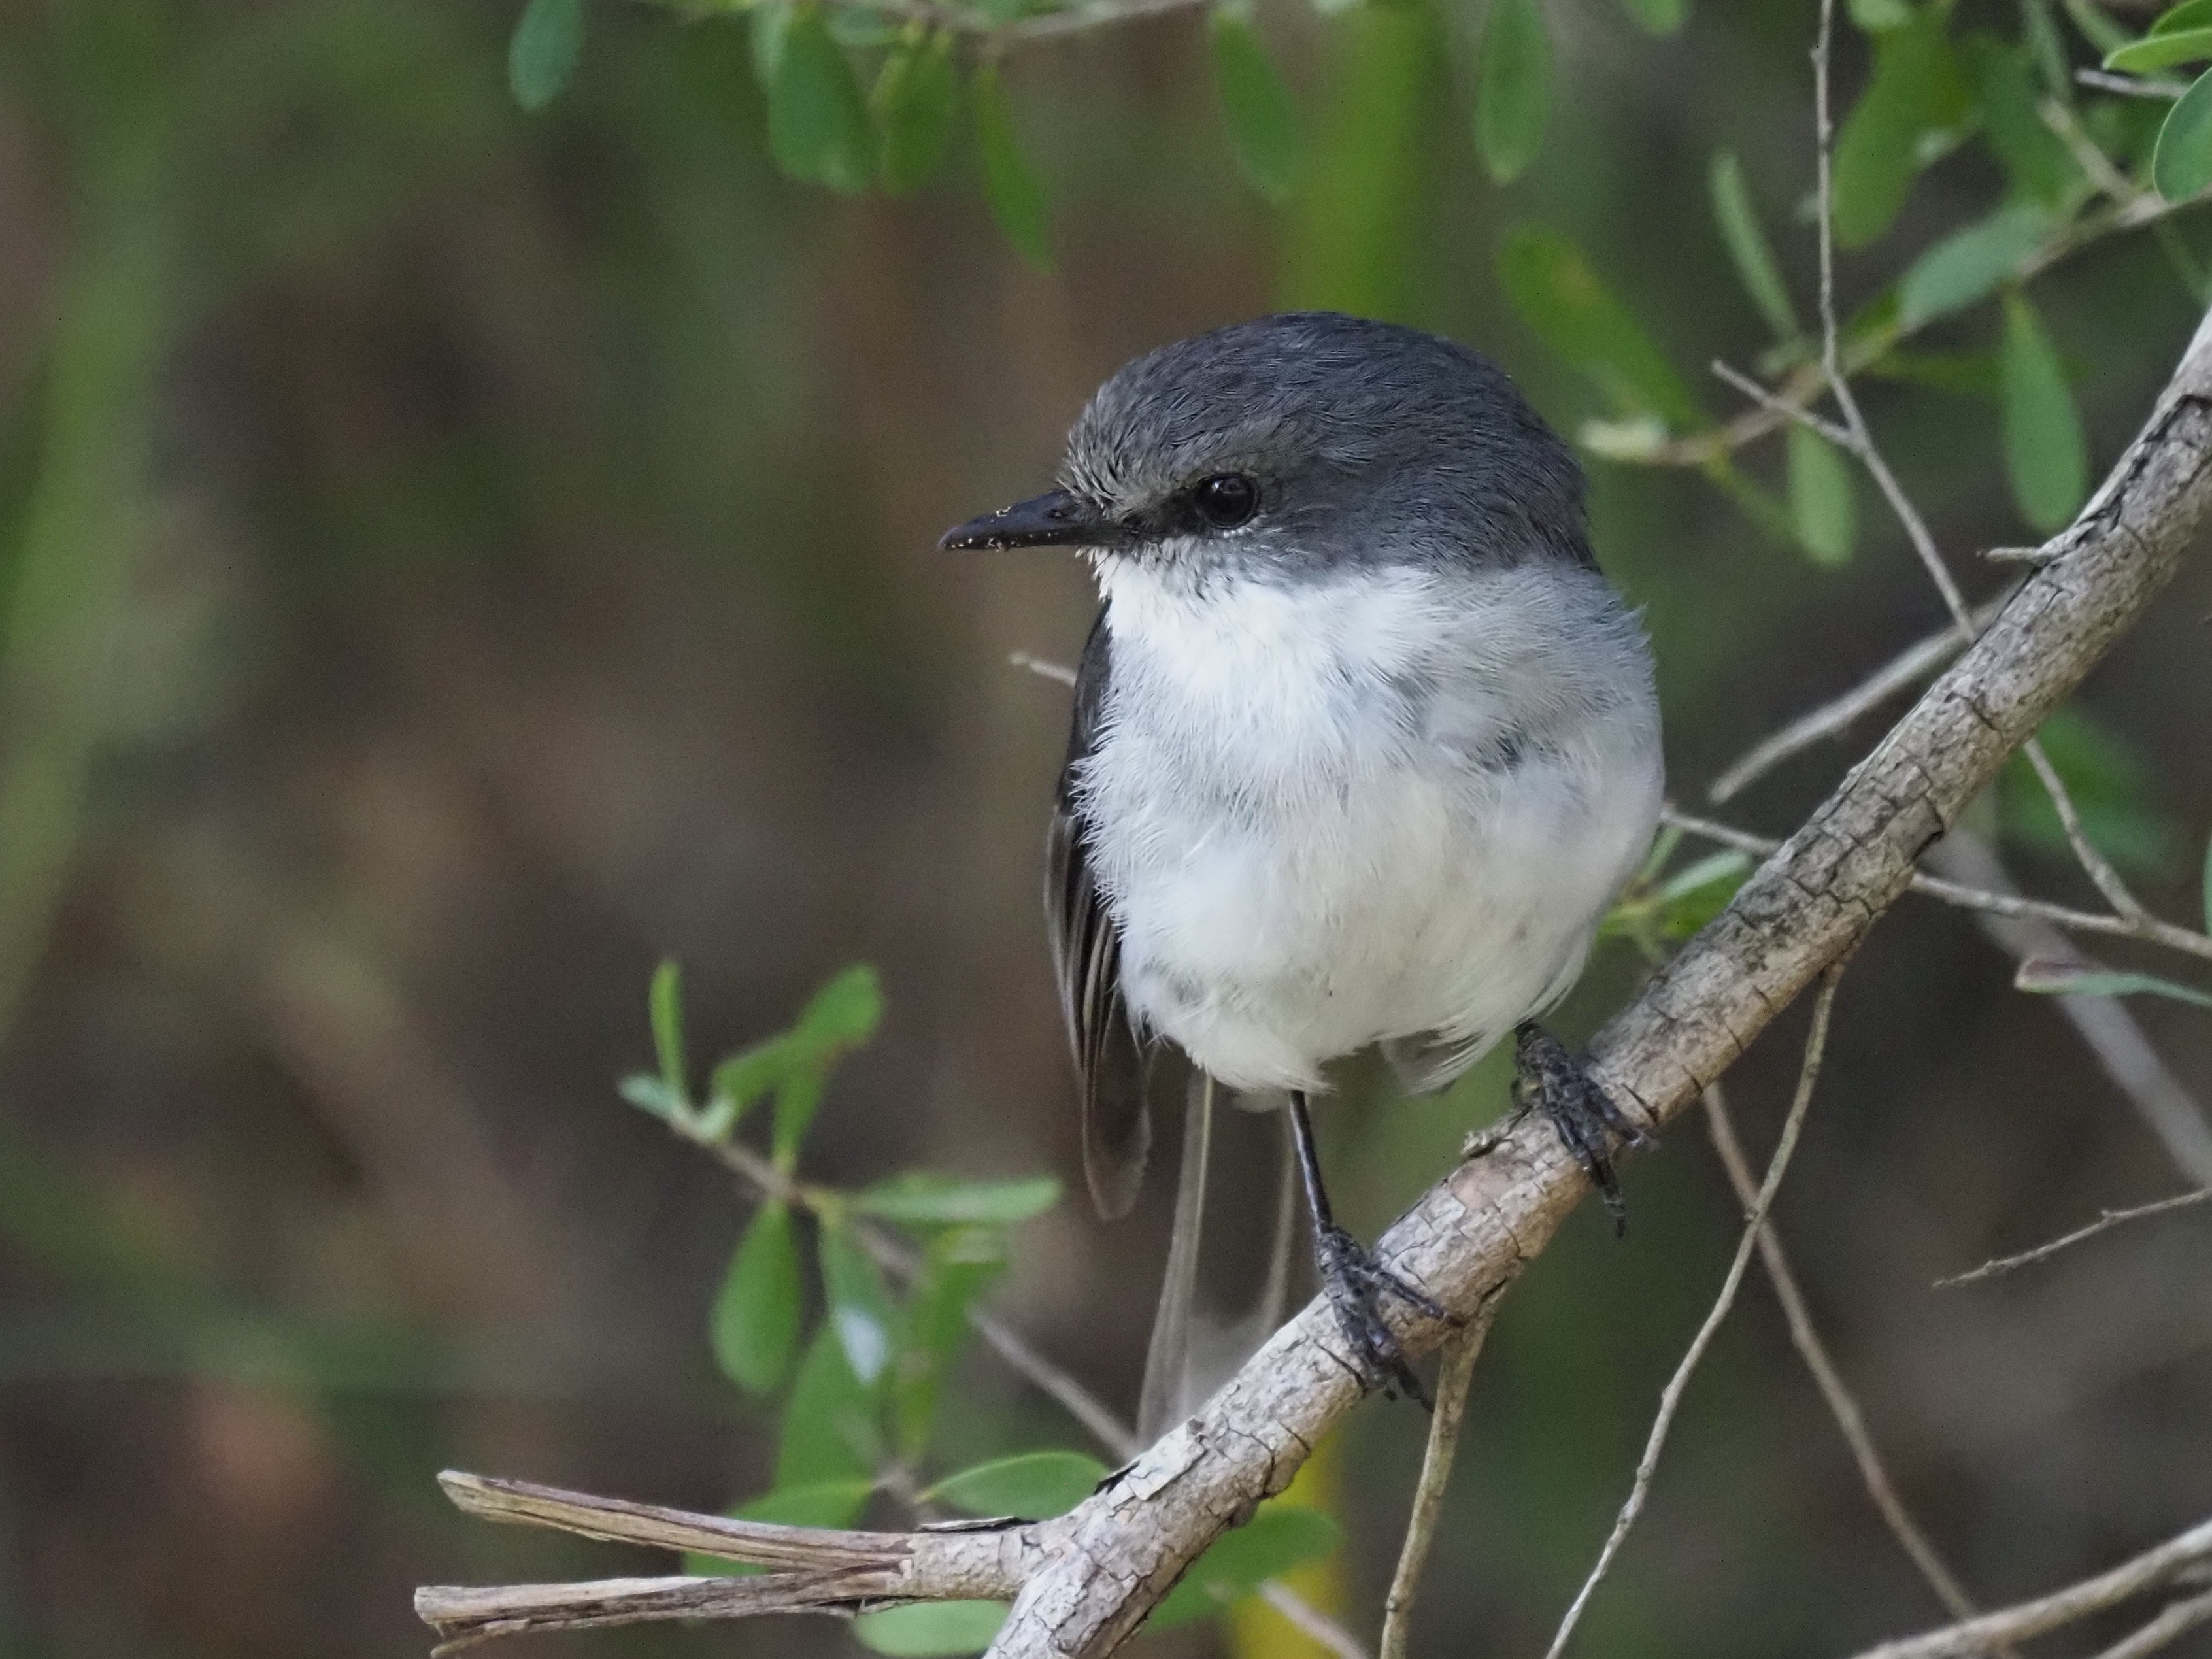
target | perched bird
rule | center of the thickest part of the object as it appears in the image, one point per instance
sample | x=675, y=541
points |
x=1364, y=745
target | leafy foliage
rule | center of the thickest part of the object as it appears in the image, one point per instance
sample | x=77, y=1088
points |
x=858, y=1409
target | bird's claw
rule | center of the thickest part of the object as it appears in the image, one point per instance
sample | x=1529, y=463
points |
x=1355, y=1283
x=1552, y=1081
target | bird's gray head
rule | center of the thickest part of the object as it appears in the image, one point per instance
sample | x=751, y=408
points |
x=1304, y=443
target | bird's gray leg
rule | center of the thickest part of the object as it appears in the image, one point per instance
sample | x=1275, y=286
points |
x=1353, y=1279
x=1552, y=1081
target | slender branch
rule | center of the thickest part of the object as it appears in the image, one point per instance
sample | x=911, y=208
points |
x=2177, y=1618
x=1902, y=673
x=2150, y=930
x=2146, y=1571
x=1670, y=1398
x=2093, y=862
x=2127, y=86
x=1843, y=1405
x=2106, y=1221
x=1453, y=1377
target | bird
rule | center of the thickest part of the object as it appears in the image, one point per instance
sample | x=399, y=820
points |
x=1364, y=747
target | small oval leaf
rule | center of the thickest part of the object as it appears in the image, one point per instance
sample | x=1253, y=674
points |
x=541, y=56
x=2046, y=456
x=829, y=1431
x=1554, y=291
x=1512, y=87
x=2188, y=15
x=1010, y=185
x=2182, y=164
x=1263, y=122
x=916, y=99
x=818, y=123
x=860, y=1306
x=1749, y=250
x=1823, y=503
x=1966, y=265
x=756, y=1319
x=2079, y=977
x=931, y=1630
x=919, y=1196
x=1032, y=1486
x=2161, y=50
x=1917, y=87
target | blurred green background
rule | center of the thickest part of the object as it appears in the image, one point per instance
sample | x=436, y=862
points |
x=453, y=557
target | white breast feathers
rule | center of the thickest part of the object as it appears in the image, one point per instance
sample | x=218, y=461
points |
x=1386, y=805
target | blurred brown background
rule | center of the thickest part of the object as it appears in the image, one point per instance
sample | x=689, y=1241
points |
x=455, y=558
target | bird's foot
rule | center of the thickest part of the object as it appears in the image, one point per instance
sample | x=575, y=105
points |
x=1550, y=1080
x=1355, y=1284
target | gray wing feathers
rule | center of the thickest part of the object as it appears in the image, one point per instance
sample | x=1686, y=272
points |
x=1086, y=949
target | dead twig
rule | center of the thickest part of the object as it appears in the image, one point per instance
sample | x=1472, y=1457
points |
x=1670, y=1398
x=2106, y=1221
x=1843, y=1405
x=1452, y=1380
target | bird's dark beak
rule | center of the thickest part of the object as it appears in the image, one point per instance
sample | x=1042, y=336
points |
x=1060, y=520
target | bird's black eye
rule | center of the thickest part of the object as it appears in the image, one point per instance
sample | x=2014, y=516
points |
x=1226, y=499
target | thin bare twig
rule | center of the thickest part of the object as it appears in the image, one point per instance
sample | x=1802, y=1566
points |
x=1907, y=669
x=1456, y=1372
x=2094, y=863
x=1843, y=1405
x=1670, y=1398
x=2106, y=1221
x=2126, y=85
x=2151, y=931
x=1043, y=666
x=2177, y=1618
x=2153, y=1568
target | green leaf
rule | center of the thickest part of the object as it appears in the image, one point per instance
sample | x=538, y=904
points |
x=2054, y=976
x=841, y=1015
x=649, y=1094
x=2161, y=50
x=1823, y=508
x=1657, y=16
x=541, y=58
x=833, y=1503
x=1966, y=265
x=931, y=1630
x=1033, y=1486
x=665, y=1003
x=829, y=1423
x=920, y=1196
x=1263, y=122
x=1010, y=184
x=844, y=1013
x=771, y=27
x=1275, y=1540
x=1873, y=16
x=1696, y=893
x=2188, y=15
x=1915, y=90
x=957, y=1264
x=2111, y=783
x=916, y=99
x=745, y=1078
x=818, y=121
x=2182, y=165
x=860, y=1309
x=1554, y=291
x=1748, y=248
x=756, y=1319
x=2046, y=456
x=2034, y=158
x=1512, y=87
